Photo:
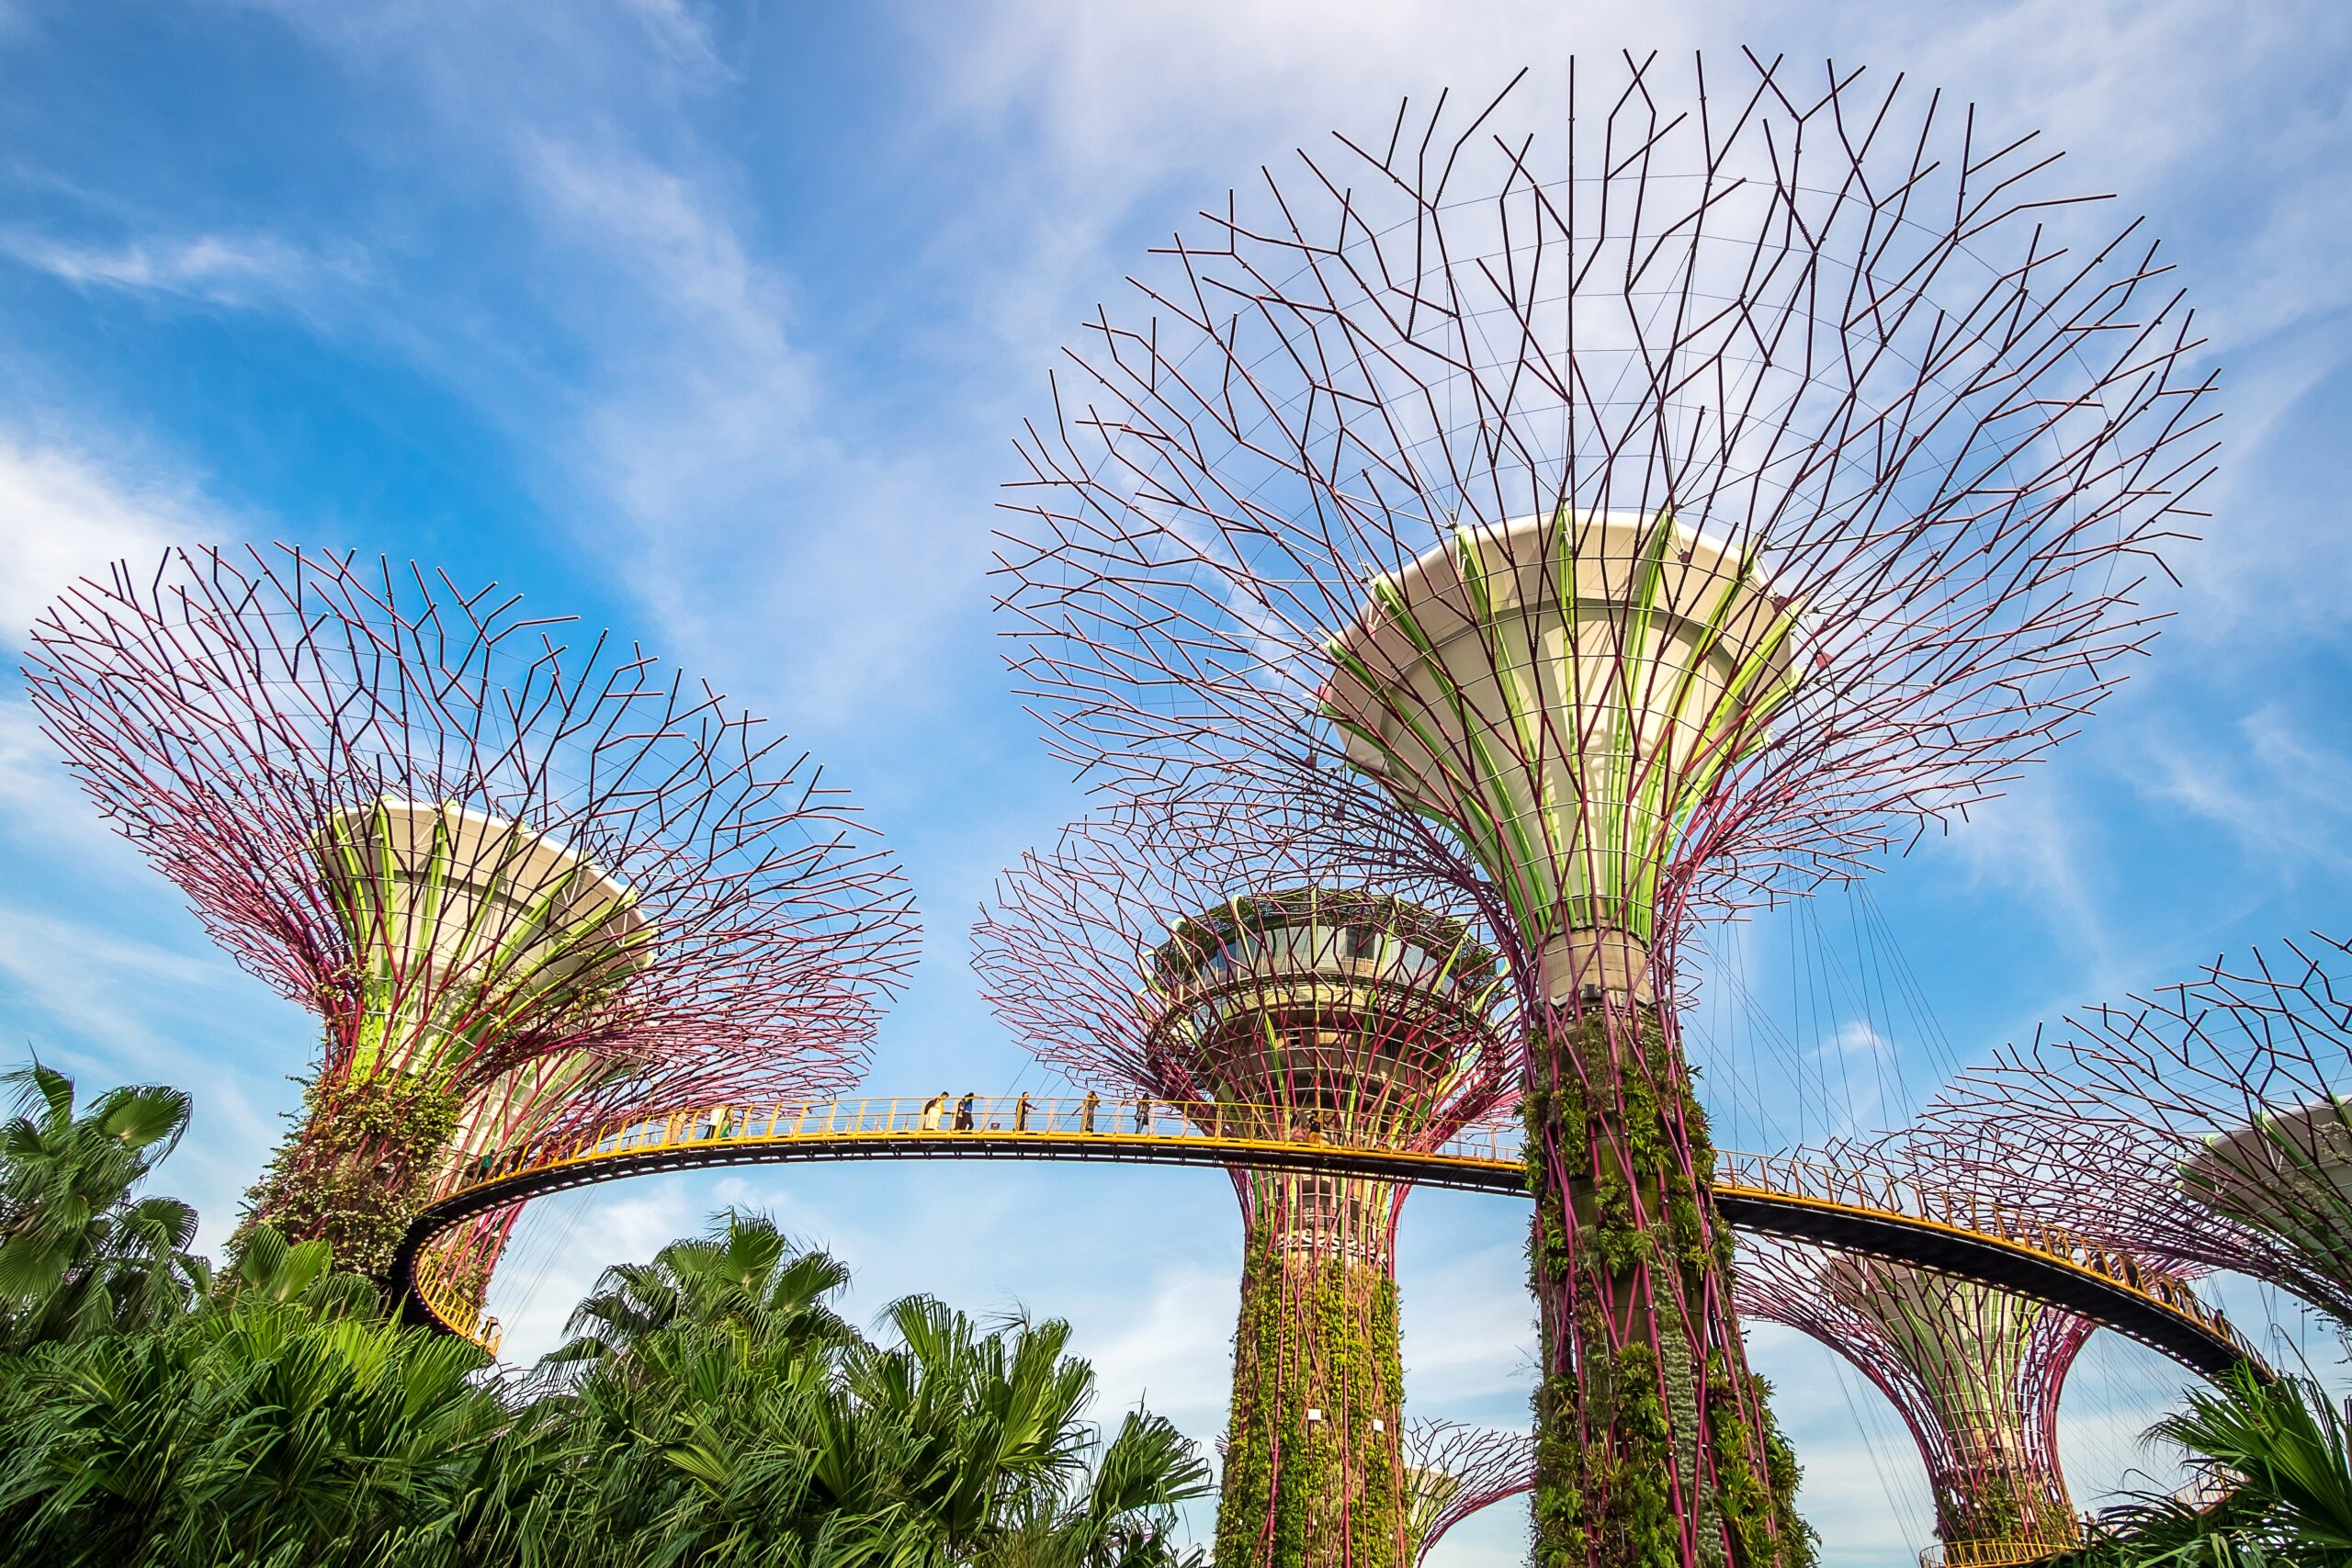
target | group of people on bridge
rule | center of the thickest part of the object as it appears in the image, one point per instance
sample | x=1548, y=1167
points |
x=937, y=1117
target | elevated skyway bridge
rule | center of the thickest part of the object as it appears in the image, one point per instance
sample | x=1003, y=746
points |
x=1856, y=1210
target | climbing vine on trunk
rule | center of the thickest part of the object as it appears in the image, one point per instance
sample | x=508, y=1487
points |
x=1313, y=1468
x=1654, y=1446
x=358, y=1167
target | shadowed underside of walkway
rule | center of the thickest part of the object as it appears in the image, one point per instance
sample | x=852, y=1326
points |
x=1854, y=1210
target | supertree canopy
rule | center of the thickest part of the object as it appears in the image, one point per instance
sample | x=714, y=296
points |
x=1975, y=1373
x=2203, y=1126
x=520, y=881
x=1674, y=505
x=1453, y=1471
x=1194, y=957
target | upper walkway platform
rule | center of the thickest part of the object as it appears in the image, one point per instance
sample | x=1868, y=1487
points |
x=1864, y=1212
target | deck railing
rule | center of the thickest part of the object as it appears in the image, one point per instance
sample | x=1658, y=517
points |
x=1111, y=1120
x=1878, y=1191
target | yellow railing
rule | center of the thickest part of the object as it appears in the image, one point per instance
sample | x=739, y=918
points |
x=1089, y=1116
x=1783, y=1178
x=455, y=1308
x=1121, y=1124
x=2011, y=1551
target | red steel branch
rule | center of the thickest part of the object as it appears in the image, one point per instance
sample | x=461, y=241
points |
x=1457, y=1469
x=641, y=894
x=1214, y=952
x=1067, y=958
x=2201, y=1126
x=1975, y=1372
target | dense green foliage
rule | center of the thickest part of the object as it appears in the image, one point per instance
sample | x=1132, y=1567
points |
x=1317, y=1337
x=1618, y=1420
x=359, y=1166
x=2283, y=1452
x=78, y=1255
x=712, y=1409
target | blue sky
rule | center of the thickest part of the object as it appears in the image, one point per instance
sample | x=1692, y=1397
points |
x=713, y=323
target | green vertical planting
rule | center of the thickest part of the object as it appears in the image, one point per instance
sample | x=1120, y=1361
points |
x=1610, y=1451
x=1317, y=1335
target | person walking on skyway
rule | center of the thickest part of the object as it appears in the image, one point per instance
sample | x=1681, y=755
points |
x=934, y=1112
x=964, y=1110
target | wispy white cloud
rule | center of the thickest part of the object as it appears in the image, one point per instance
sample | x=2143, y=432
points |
x=222, y=269
x=114, y=1008
x=679, y=30
x=127, y=990
x=692, y=440
x=546, y=1271
x=98, y=980
x=2276, y=787
x=1864, y=1488
x=1172, y=1350
x=2033, y=840
x=1467, y=1349
x=748, y=503
x=66, y=511
x=69, y=511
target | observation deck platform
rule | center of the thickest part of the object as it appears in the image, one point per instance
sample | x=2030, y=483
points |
x=1861, y=1211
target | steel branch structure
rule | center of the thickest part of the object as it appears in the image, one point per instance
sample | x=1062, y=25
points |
x=1974, y=1372
x=1974, y=1369
x=1674, y=509
x=521, y=882
x=1194, y=957
x=2202, y=1126
x=1453, y=1471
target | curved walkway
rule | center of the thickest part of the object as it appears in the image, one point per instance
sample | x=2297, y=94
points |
x=1857, y=1212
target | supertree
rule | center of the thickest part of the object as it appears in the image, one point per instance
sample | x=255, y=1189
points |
x=2201, y=1126
x=1975, y=1372
x=1191, y=955
x=1453, y=1470
x=1674, y=513
x=520, y=882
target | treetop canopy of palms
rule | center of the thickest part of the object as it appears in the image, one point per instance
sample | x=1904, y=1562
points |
x=745, y=1273
x=715, y=1408
x=78, y=1254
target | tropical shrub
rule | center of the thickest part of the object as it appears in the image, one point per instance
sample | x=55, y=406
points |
x=712, y=1408
x=2284, y=1455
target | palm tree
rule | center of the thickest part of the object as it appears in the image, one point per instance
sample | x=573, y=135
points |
x=256, y=1434
x=78, y=1255
x=713, y=1424
x=270, y=1270
x=2287, y=1450
x=720, y=1413
x=746, y=1274
x=989, y=1443
x=1122, y=1517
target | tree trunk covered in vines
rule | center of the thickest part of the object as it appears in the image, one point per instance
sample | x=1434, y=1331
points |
x=358, y=1167
x=1314, y=1473
x=1655, y=1445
